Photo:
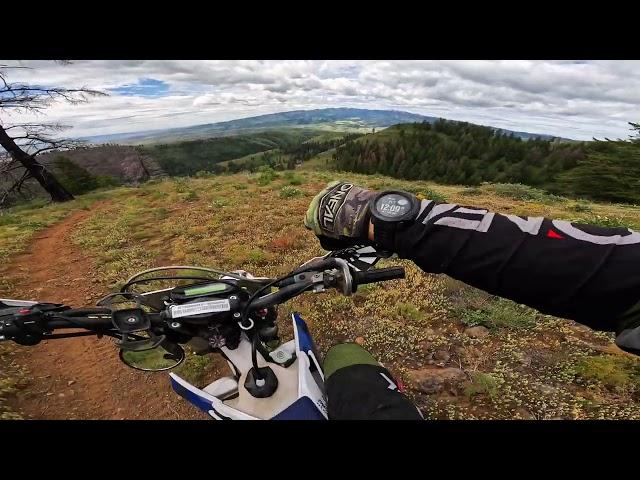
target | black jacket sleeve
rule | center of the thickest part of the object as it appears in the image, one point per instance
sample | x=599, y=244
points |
x=586, y=273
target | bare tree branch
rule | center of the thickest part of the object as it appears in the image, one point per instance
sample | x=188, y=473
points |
x=15, y=187
x=49, y=126
x=23, y=142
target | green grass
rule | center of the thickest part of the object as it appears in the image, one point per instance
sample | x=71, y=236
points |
x=220, y=202
x=580, y=207
x=292, y=178
x=191, y=196
x=522, y=192
x=195, y=368
x=482, y=384
x=266, y=175
x=619, y=374
x=609, y=221
x=288, y=192
x=499, y=314
x=256, y=255
x=408, y=311
x=12, y=378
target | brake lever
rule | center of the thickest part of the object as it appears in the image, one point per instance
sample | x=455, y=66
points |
x=317, y=267
x=347, y=278
x=315, y=276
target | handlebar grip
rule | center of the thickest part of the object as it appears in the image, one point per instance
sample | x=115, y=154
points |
x=377, y=275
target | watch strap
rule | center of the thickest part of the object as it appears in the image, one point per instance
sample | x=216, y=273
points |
x=384, y=233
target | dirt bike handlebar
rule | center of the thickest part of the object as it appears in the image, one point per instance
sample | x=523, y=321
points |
x=28, y=324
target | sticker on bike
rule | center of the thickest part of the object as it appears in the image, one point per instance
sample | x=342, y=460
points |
x=177, y=311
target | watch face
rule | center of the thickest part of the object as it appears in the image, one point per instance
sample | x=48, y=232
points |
x=392, y=206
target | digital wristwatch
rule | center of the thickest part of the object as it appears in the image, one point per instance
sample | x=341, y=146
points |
x=390, y=211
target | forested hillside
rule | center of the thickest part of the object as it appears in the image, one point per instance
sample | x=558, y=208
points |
x=186, y=158
x=463, y=153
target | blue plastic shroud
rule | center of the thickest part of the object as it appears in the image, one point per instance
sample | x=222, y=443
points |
x=191, y=396
x=301, y=409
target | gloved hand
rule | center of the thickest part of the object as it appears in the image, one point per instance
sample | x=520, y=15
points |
x=340, y=213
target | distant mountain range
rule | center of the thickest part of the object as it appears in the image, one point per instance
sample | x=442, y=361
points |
x=334, y=119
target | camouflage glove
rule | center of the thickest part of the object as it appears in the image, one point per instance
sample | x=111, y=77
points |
x=340, y=212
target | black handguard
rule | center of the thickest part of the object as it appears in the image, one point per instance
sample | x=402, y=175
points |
x=330, y=244
x=629, y=340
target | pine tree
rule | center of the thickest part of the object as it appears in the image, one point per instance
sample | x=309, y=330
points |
x=73, y=177
x=636, y=129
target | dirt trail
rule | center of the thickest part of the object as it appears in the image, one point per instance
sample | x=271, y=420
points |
x=81, y=378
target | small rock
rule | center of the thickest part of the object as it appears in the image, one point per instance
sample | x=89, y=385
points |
x=70, y=382
x=524, y=414
x=459, y=350
x=435, y=380
x=359, y=340
x=61, y=395
x=49, y=394
x=442, y=356
x=477, y=331
x=525, y=360
x=547, y=390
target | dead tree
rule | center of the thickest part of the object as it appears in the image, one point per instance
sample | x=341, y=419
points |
x=22, y=142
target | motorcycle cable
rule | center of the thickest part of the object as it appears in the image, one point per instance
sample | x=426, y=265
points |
x=77, y=323
x=243, y=319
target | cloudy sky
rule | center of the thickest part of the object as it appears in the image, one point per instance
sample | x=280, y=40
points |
x=575, y=99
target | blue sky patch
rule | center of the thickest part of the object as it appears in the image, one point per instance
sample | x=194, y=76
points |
x=146, y=87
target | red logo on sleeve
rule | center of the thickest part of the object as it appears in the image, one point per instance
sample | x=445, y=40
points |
x=554, y=234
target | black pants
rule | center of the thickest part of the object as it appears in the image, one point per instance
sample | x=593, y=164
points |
x=359, y=388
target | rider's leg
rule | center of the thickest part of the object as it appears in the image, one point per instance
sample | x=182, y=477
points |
x=358, y=387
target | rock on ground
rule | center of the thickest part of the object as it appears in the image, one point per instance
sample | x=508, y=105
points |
x=436, y=380
x=477, y=332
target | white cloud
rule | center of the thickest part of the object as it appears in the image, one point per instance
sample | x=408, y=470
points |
x=566, y=98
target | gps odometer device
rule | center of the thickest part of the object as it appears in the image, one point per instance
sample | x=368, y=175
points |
x=391, y=210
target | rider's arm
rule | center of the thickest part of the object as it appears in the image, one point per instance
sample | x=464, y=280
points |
x=582, y=272
x=586, y=273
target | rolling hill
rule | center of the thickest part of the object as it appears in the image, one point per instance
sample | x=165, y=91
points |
x=327, y=119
